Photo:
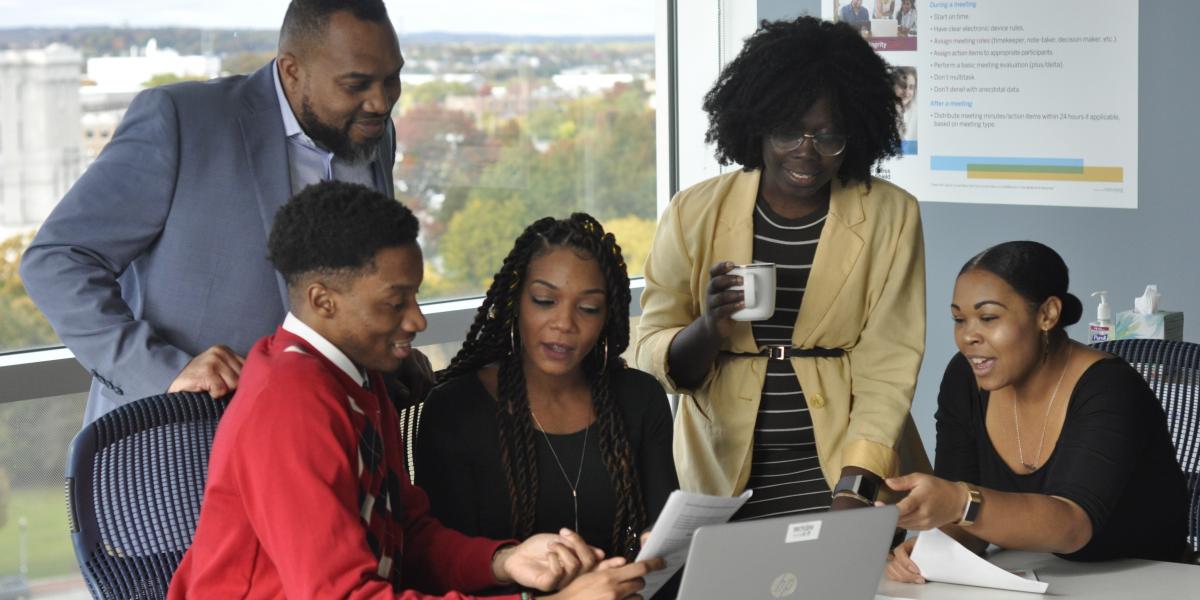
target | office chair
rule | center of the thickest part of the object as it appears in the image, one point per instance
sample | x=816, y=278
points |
x=134, y=482
x=1173, y=371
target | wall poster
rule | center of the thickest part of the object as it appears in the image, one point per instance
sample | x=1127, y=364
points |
x=1007, y=101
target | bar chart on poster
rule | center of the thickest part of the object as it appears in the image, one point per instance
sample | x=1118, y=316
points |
x=1007, y=101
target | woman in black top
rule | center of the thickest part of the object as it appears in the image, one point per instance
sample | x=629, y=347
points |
x=1042, y=443
x=537, y=423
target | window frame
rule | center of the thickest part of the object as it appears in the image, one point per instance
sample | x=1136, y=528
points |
x=49, y=372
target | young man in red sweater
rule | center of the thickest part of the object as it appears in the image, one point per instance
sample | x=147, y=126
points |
x=307, y=495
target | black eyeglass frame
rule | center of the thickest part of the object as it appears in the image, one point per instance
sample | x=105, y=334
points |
x=788, y=142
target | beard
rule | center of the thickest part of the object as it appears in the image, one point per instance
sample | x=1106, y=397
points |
x=337, y=140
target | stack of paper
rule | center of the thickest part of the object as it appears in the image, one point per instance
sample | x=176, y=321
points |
x=941, y=558
x=671, y=536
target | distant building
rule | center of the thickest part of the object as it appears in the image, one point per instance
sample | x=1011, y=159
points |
x=501, y=103
x=101, y=113
x=40, y=138
x=113, y=81
x=407, y=79
x=125, y=73
x=589, y=80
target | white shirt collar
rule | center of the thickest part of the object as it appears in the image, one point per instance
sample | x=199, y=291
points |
x=291, y=126
x=293, y=324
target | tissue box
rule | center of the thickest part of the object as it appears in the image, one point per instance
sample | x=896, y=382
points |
x=1161, y=325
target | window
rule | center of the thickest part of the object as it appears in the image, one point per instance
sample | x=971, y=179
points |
x=550, y=111
x=495, y=133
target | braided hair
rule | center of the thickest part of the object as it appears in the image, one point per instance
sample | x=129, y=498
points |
x=494, y=337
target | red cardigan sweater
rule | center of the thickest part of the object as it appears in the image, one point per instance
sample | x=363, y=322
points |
x=282, y=506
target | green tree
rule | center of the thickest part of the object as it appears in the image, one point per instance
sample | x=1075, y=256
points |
x=477, y=240
x=434, y=92
x=167, y=78
x=436, y=153
x=5, y=490
x=594, y=154
x=634, y=234
x=22, y=325
x=431, y=141
x=246, y=62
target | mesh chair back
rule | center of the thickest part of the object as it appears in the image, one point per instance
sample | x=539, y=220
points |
x=1173, y=371
x=134, y=481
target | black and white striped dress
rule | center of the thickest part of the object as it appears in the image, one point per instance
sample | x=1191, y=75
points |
x=785, y=474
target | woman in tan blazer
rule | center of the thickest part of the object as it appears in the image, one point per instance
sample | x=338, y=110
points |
x=813, y=402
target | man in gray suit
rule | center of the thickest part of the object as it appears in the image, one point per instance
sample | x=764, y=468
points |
x=153, y=268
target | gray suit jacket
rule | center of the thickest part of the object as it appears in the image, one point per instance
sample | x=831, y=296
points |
x=158, y=251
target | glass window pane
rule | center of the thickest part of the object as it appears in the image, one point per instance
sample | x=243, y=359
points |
x=548, y=112
x=35, y=543
x=496, y=133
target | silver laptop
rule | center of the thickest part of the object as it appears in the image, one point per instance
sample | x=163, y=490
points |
x=826, y=556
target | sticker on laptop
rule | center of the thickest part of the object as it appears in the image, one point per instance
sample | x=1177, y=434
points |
x=803, y=531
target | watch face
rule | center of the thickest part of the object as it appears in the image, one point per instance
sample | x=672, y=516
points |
x=859, y=484
x=973, y=510
x=974, y=502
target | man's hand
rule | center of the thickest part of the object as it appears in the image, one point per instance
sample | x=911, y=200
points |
x=546, y=561
x=215, y=371
x=613, y=579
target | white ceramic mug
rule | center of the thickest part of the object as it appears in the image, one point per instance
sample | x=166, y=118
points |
x=758, y=287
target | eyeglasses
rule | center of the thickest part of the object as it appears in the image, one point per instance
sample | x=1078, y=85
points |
x=826, y=144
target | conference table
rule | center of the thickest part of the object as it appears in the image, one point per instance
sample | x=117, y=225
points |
x=1124, y=579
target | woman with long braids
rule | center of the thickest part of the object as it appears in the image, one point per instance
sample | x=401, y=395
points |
x=537, y=424
x=809, y=407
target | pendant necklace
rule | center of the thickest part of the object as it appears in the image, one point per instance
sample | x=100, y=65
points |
x=1045, y=419
x=574, y=486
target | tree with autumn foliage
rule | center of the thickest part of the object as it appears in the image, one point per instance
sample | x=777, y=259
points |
x=22, y=325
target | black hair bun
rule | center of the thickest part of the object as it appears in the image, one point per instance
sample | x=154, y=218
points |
x=1072, y=310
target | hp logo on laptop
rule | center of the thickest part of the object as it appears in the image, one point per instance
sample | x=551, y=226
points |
x=784, y=585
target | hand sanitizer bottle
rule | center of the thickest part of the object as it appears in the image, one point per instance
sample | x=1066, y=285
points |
x=1101, y=330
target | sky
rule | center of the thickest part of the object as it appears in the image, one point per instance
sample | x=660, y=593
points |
x=537, y=17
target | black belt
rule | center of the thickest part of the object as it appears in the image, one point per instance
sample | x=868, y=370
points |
x=787, y=352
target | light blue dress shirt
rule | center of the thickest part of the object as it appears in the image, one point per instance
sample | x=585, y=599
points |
x=310, y=163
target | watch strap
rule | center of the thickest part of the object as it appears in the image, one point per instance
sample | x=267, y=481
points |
x=860, y=485
x=972, y=506
x=853, y=495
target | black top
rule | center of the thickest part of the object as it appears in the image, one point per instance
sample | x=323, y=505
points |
x=785, y=472
x=1114, y=459
x=457, y=462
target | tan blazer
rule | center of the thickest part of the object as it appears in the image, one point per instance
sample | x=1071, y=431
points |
x=865, y=294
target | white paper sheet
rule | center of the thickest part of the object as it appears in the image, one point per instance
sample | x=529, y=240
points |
x=671, y=536
x=941, y=558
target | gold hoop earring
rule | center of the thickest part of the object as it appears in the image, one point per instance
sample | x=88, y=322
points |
x=512, y=337
x=1045, y=344
x=604, y=355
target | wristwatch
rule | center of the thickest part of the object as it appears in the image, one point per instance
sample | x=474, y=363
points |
x=974, y=503
x=858, y=486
